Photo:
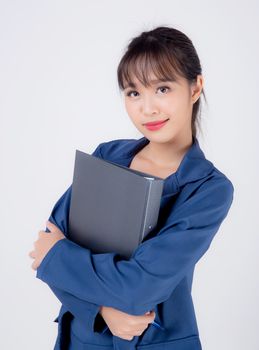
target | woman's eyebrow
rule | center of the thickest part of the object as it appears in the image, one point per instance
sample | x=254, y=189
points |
x=156, y=81
x=153, y=81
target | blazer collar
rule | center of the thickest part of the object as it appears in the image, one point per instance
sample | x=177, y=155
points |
x=194, y=165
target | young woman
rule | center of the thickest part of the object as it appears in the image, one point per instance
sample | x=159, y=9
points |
x=144, y=302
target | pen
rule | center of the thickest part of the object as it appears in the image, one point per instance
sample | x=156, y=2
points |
x=157, y=325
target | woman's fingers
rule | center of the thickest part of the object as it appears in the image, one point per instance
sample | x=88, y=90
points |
x=143, y=324
x=34, y=265
x=32, y=254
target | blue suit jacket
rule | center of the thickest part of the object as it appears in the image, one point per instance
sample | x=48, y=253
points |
x=158, y=276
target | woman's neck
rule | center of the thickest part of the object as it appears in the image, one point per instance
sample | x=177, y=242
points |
x=167, y=154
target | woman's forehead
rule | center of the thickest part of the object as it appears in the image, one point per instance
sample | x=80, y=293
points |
x=145, y=74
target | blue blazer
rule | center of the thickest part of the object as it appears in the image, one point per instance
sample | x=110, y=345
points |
x=158, y=276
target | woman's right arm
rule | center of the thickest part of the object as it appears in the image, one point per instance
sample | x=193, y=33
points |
x=98, y=318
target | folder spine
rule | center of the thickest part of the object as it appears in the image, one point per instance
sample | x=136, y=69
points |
x=154, y=192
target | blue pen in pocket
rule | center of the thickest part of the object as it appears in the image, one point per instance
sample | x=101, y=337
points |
x=157, y=325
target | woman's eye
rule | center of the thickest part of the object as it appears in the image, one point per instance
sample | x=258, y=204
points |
x=164, y=87
x=130, y=92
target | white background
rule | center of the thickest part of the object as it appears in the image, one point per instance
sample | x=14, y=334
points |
x=58, y=93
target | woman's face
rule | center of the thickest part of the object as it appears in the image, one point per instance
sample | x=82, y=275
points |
x=162, y=100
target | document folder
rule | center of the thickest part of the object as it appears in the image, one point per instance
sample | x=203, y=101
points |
x=112, y=207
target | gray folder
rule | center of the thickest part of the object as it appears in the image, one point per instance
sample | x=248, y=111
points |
x=112, y=207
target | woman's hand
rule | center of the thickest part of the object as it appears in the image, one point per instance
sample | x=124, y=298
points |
x=44, y=243
x=124, y=325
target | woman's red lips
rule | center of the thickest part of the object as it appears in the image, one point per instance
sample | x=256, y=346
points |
x=156, y=123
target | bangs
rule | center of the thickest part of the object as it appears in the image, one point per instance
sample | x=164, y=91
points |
x=141, y=65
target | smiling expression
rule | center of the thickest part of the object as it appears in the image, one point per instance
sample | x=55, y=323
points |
x=161, y=100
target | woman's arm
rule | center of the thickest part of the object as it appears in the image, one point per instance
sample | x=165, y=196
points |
x=100, y=318
x=158, y=264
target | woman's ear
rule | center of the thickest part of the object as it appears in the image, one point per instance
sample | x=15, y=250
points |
x=197, y=88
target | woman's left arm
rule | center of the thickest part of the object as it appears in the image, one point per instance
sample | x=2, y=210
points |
x=137, y=285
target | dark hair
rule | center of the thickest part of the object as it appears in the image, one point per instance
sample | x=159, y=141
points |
x=168, y=53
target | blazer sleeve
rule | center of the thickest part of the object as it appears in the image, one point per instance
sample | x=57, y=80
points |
x=86, y=312
x=158, y=264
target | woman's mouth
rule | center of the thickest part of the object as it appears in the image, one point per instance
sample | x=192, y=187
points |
x=155, y=125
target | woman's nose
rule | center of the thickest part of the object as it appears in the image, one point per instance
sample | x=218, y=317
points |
x=149, y=106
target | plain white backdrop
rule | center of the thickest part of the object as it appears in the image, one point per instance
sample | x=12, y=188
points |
x=58, y=93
